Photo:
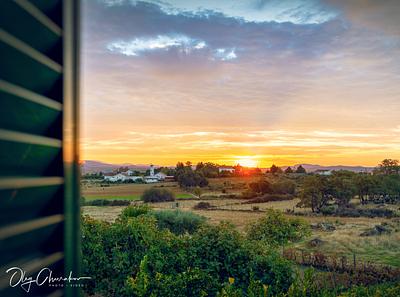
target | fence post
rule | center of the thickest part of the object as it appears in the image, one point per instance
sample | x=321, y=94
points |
x=354, y=262
x=342, y=263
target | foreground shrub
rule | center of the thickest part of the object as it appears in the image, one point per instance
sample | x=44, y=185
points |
x=275, y=229
x=157, y=195
x=178, y=222
x=223, y=252
x=111, y=255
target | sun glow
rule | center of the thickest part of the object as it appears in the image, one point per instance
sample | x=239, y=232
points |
x=247, y=162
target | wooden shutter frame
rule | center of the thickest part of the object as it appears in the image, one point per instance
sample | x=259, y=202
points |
x=61, y=210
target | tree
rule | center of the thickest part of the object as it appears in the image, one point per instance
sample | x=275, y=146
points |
x=288, y=170
x=211, y=170
x=341, y=186
x=300, y=169
x=186, y=177
x=365, y=186
x=238, y=168
x=390, y=166
x=274, y=169
x=310, y=197
x=197, y=191
x=315, y=192
x=200, y=166
x=276, y=230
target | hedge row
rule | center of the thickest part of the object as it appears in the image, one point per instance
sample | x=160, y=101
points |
x=105, y=202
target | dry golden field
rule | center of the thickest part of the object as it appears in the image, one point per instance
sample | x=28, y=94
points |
x=344, y=240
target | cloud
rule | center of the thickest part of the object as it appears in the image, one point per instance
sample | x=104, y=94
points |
x=138, y=45
x=145, y=69
x=382, y=15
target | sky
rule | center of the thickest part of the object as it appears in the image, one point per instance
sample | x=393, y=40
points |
x=255, y=82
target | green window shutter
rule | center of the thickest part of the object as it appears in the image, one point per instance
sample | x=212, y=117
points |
x=39, y=187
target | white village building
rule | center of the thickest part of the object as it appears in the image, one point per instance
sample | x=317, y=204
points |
x=125, y=174
x=115, y=176
x=226, y=168
x=323, y=172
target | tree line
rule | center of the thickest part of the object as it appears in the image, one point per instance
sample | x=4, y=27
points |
x=341, y=186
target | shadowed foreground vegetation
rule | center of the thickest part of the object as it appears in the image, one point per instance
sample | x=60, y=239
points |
x=135, y=257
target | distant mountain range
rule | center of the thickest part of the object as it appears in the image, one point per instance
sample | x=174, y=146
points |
x=311, y=168
x=90, y=166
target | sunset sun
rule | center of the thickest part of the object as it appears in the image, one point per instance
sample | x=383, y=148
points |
x=247, y=162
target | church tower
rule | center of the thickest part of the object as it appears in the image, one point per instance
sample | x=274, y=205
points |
x=151, y=169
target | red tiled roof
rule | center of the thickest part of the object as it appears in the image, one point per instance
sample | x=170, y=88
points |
x=110, y=174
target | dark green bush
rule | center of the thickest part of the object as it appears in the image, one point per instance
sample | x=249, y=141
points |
x=327, y=209
x=136, y=210
x=202, y=205
x=176, y=221
x=157, y=195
